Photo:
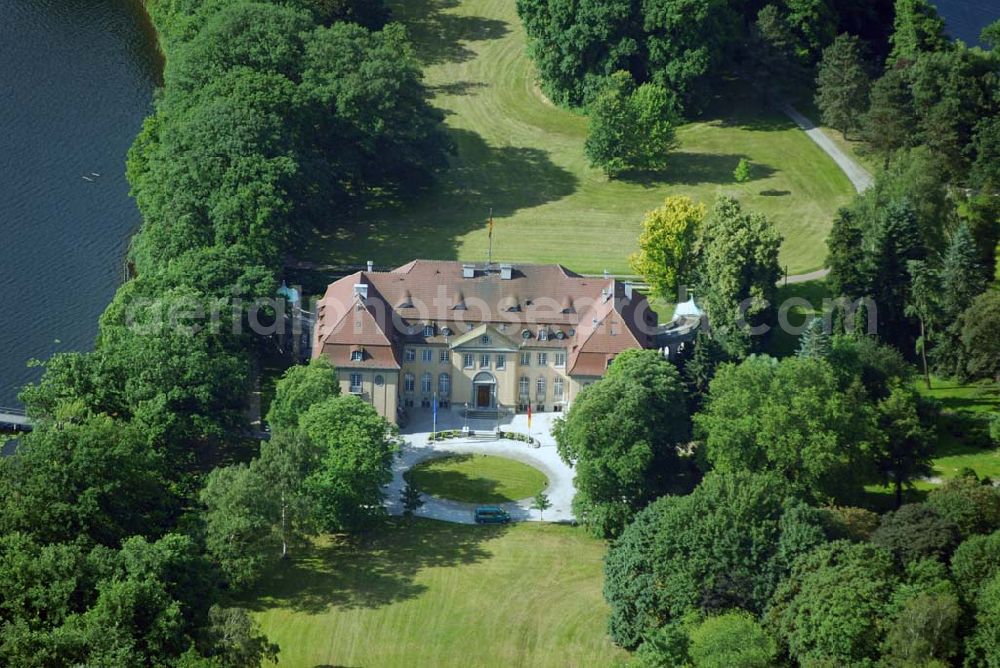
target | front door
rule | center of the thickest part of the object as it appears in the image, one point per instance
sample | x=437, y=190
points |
x=482, y=396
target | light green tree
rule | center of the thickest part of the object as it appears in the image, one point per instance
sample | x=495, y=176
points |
x=541, y=503
x=666, y=253
x=742, y=171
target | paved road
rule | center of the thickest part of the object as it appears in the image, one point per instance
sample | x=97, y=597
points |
x=545, y=458
x=860, y=177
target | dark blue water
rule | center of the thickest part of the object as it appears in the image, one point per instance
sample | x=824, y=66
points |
x=76, y=80
x=967, y=18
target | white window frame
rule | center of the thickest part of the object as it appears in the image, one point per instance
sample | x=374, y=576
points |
x=410, y=355
x=543, y=335
x=443, y=356
x=543, y=359
x=484, y=361
x=468, y=361
x=357, y=355
x=560, y=360
x=523, y=386
x=444, y=384
x=426, y=355
x=486, y=340
x=558, y=389
x=428, y=330
x=540, y=388
x=357, y=381
x=501, y=361
x=409, y=382
x=426, y=382
x=525, y=359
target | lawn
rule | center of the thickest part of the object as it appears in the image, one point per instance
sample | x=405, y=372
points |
x=477, y=479
x=433, y=594
x=523, y=157
x=963, y=430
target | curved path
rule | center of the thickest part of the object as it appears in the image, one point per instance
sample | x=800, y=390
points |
x=417, y=448
x=859, y=177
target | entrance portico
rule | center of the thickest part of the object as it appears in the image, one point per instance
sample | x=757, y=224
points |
x=484, y=390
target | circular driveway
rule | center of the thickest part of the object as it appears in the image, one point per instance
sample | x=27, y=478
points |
x=417, y=448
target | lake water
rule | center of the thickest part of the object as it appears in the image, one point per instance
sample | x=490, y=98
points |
x=967, y=18
x=76, y=80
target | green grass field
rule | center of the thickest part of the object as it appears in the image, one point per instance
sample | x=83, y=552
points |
x=524, y=158
x=431, y=594
x=477, y=479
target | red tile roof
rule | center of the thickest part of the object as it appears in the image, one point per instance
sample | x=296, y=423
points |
x=596, y=317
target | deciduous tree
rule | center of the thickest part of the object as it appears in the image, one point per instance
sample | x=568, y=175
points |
x=666, y=254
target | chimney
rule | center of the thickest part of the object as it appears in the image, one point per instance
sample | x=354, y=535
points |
x=468, y=271
x=361, y=290
x=505, y=271
x=371, y=266
x=628, y=290
x=606, y=274
x=605, y=294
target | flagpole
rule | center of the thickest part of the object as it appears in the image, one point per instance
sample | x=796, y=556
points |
x=489, y=253
x=435, y=427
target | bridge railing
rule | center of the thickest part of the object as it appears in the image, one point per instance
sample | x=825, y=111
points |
x=20, y=412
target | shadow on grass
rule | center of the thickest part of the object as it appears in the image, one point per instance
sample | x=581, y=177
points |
x=481, y=177
x=684, y=168
x=438, y=36
x=458, y=87
x=775, y=193
x=372, y=570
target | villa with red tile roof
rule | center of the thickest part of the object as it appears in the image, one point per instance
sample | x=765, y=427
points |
x=494, y=337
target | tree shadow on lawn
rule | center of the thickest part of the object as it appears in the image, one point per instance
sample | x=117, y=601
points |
x=684, y=168
x=481, y=177
x=371, y=570
x=438, y=36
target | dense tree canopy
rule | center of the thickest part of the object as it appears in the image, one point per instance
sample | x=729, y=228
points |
x=725, y=545
x=790, y=417
x=622, y=434
x=738, y=275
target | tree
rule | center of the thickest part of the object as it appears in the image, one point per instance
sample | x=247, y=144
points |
x=700, y=368
x=541, y=503
x=236, y=640
x=835, y=605
x=975, y=562
x=962, y=280
x=925, y=629
x=725, y=545
x=923, y=305
x=985, y=173
x=739, y=271
x=96, y=480
x=411, y=499
x=631, y=128
x=916, y=531
x=742, y=172
x=732, y=639
x=790, y=417
x=983, y=646
x=971, y=504
x=815, y=341
x=917, y=28
x=890, y=124
x=844, y=258
x=299, y=388
x=980, y=326
x=905, y=444
x=621, y=434
x=356, y=448
x=666, y=254
x=842, y=84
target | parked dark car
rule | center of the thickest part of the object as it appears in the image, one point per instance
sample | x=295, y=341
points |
x=491, y=515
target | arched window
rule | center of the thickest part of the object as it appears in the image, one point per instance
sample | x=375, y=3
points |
x=408, y=382
x=444, y=385
x=557, y=388
x=540, y=388
x=425, y=383
x=522, y=385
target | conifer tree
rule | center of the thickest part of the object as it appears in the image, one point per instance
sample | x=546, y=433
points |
x=842, y=84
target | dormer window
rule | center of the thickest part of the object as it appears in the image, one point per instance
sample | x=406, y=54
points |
x=357, y=355
x=560, y=334
x=446, y=331
x=428, y=330
x=525, y=334
x=543, y=335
